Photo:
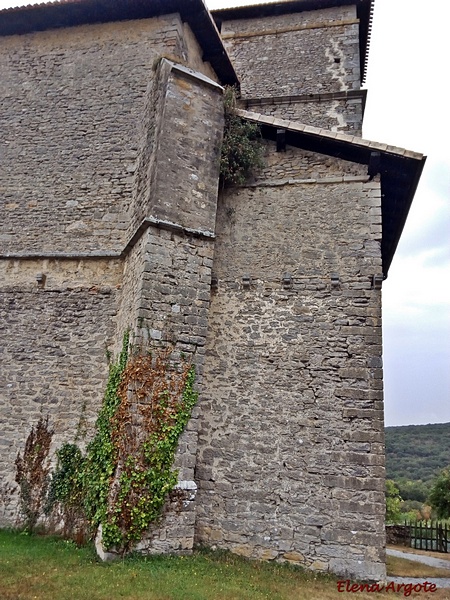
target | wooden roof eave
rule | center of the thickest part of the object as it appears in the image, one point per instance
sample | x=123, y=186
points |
x=399, y=169
x=70, y=13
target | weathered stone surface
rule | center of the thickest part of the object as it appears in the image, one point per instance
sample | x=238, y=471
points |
x=284, y=59
x=278, y=367
x=174, y=533
x=53, y=353
x=111, y=152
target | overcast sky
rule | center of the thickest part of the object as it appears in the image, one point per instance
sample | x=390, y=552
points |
x=407, y=106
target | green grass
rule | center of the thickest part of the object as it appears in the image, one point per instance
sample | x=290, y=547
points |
x=43, y=568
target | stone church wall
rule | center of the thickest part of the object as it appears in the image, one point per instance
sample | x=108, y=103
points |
x=111, y=161
x=144, y=252
x=67, y=98
x=290, y=462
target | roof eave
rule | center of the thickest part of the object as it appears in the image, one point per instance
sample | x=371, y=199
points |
x=69, y=13
x=399, y=169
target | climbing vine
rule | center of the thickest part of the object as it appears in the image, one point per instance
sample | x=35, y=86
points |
x=123, y=480
x=66, y=492
x=101, y=456
x=242, y=151
x=156, y=401
x=33, y=473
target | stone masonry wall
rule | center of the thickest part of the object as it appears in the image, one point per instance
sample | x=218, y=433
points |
x=296, y=163
x=173, y=309
x=193, y=54
x=164, y=130
x=68, y=96
x=54, y=336
x=337, y=113
x=290, y=460
x=295, y=54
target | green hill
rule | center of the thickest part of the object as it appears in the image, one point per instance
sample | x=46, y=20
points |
x=417, y=452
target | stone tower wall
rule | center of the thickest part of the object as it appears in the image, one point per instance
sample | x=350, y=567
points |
x=291, y=457
x=302, y=66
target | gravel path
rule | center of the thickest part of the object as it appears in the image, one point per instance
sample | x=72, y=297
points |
x=441, y=582
x=426, y=560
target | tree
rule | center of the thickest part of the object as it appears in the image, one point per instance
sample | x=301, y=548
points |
x=413, y=489
x=393, y=502
x=440, y=494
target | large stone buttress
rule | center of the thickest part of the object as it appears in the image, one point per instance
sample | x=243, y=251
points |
x=167, y=274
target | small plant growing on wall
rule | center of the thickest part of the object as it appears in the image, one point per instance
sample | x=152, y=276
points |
x=66, y=492
x=242, y=152
x=33, y=473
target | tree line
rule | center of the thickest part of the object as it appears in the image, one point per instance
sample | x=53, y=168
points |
x=417, y=472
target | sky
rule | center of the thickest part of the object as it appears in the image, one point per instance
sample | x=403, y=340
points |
x=407, y=106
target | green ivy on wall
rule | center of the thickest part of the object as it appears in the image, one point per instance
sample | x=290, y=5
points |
x=124, y=480
x=101, y=456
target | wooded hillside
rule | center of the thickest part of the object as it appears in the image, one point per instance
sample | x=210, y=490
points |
x=417, y=452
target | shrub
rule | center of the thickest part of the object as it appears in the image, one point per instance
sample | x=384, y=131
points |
x=242, y=151
x=32, y=473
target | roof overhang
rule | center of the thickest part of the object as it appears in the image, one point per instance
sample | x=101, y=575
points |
x=70, y=13
x=364, y=12
x=399, y=169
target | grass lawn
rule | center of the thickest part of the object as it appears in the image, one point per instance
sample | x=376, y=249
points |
x=40, y=568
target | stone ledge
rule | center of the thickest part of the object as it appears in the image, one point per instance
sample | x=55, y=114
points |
x=293, y=28
x=146, y=223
